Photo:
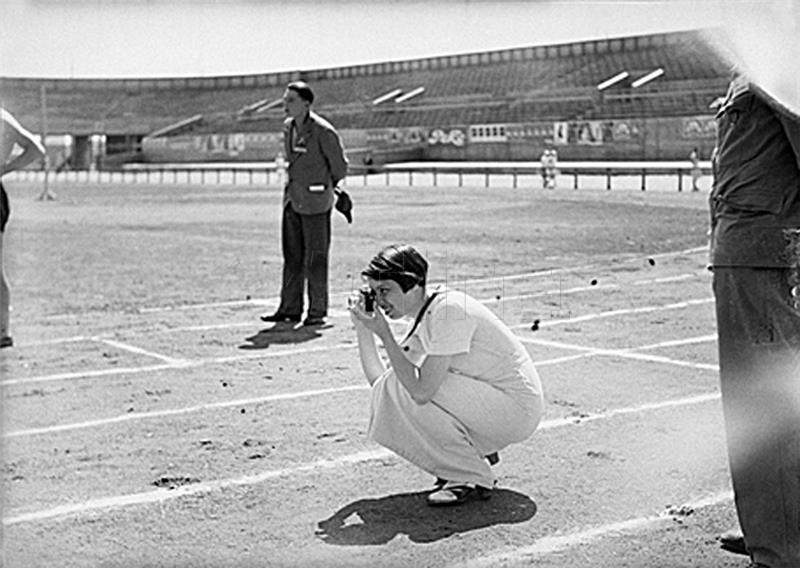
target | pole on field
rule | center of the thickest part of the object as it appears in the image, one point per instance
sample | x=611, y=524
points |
x=46, y=194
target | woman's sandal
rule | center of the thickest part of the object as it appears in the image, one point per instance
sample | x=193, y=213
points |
x=450, y=494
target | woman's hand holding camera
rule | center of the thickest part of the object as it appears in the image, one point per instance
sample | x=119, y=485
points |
x=373, y=321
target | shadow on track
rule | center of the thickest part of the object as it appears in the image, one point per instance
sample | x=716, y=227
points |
x=283, y=334
x=378, y=521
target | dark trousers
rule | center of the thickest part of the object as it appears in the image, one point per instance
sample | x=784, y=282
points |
x=5, y=208
x=759, y=356
x=306, y=240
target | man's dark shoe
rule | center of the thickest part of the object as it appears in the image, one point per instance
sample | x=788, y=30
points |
x=733, y=541
x=314, y=320
x=278, y=317
x=6, y=341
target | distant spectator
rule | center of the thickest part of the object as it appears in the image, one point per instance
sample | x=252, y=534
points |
x=549, y=161
x=697, y=172
x=11, y=134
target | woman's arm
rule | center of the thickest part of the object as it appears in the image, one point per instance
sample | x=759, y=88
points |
x=371, y=362
x=421, y=383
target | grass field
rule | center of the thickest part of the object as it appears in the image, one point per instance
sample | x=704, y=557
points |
x=151, y=419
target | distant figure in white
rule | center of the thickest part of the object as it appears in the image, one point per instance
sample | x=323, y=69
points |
x=697, y=172
x=460, y=386
x=549, y=161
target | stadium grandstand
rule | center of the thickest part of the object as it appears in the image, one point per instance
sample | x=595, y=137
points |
x=644, y=97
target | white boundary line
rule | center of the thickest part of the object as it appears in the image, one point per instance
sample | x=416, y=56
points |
x=586, y=352
x=223, y=404
x=178, y=411
x=229, y=359
x=525, y=555
x=630, y=353
x=186, y=365
x=162, y=495
x=334, y=312
x=534, y=274
x=622, y=312
x=140, y=351
x=575, y=290
x=664, y=280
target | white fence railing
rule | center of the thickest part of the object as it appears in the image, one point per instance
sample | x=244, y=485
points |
x=632, y=175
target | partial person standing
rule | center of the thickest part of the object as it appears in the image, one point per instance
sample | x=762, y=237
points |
x=755, y=212
x=11, y=134
x=317, y=163
x=459, y=387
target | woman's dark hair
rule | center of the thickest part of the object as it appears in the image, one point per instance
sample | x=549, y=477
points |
x=401, y=263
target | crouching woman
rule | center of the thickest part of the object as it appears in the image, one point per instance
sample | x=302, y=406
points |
x=460, y=386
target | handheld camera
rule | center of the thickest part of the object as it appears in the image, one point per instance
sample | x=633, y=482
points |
x=368, y=294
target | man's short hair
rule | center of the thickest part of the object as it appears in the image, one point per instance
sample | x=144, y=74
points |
x=302, y=89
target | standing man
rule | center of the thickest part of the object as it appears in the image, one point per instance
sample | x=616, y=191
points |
x=316, y=165
x=755, y=212
x=11, y=134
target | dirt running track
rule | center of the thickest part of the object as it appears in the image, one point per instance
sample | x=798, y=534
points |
x=150, y=418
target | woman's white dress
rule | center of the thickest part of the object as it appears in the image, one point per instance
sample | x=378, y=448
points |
x=491, y=397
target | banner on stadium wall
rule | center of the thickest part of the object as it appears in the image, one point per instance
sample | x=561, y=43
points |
x=699, y=127
x=397, y=136
x=413, y=136
x=227, y=144
x=594, y=132
x=447, y=137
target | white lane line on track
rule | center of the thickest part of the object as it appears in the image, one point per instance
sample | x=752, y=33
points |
x=161, y=495
x=178, y=411
x=215, y=405
x=336, y=312
x=631, y=352
x=586, y=352
x=526, y=555
x=575, y=290
x=140, y=351
x=90, y=374
x=567, y=270
x=227, y=304
x=552, y=292
x=622, y=312
x=666, y=279
x=638, y=409
x=534, y=274
x=186, y=365
x=233, y=358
